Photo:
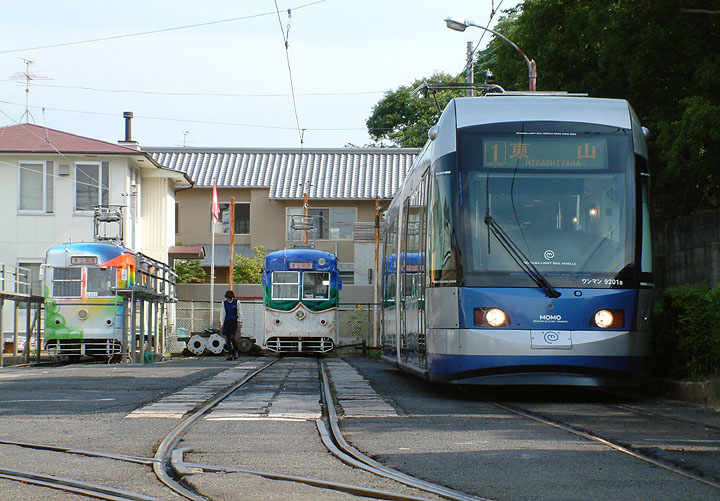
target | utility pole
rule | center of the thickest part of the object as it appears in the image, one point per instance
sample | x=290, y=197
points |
x=377, y=283
x=231, y=271
x=306, y=205
x=470, y=73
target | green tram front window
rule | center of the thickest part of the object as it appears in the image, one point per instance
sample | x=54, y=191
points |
x=285, y=285
x=316, y=285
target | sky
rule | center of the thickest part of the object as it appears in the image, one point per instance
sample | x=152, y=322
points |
x=216, y=73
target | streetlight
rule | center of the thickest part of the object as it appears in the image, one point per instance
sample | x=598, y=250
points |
x=459, y=24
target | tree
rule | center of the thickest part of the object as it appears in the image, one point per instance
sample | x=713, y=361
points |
x=189, y=271
x=663, y=56
x=249, y=270
x=404, y=119
x=690, y=153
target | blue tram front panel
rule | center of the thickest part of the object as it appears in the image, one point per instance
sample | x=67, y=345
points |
x=542, y=335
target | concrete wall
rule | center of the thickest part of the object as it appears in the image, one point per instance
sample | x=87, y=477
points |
x=687, y=251
x=159, y=215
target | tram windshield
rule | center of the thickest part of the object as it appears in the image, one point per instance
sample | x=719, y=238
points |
x=316, y=285
x=564, y=201
x=100, y=282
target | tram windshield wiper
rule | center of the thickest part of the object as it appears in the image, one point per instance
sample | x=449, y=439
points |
x=519, y=257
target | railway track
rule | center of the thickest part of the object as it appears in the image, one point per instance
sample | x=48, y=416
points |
x=172, y=470
x=170, y=466
x=613, y=444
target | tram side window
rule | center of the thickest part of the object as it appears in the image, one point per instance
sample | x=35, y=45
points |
x=390, y=261
x=67, y=282
x=316, y=285
x=441, y=228
x=285, y=285
x=100, y=282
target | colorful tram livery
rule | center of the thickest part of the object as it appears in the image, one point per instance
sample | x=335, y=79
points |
x=518, y=247
x=84, y=288
x=300, y=294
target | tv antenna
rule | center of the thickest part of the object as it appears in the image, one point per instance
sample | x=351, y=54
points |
x=28, y=77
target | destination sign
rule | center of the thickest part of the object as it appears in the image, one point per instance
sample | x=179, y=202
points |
x=83, y=259
x=300, y=265
x=544, y=153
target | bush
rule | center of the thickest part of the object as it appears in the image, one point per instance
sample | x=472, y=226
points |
x=189, y=271
x=249, y=270
x=686, y=333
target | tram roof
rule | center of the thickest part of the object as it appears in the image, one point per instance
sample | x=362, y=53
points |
x=58, y=255
x=497, y=108
x=86, y=248
x=279, y=260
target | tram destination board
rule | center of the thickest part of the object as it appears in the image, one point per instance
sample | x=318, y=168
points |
x=528, y=152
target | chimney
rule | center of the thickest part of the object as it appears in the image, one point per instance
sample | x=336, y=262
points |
x=128, y=116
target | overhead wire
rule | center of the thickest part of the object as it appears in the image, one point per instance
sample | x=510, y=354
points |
x=151, y=32
x=493, y=11
x=286, y=35
x=198, y=94
x=169, y=119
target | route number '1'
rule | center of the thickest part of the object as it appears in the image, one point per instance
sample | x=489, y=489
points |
x=495, y=153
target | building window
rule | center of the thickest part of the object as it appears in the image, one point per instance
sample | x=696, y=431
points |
x=242, y=218
x=329, y=224
x=37, y=186
x=346, y=272
x=177, y=215
x=31, y=284
x=92, y=186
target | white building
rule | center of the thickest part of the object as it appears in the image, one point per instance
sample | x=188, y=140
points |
x=51, y=182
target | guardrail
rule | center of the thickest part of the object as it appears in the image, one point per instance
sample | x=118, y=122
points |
x=15, y=281
x=16, y=287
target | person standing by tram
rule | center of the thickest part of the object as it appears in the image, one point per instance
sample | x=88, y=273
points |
x=231, y=318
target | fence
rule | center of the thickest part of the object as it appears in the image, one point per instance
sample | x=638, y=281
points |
x=355, y=321
x=16, y=290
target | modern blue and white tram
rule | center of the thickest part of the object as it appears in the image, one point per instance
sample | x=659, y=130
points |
x=529, y=213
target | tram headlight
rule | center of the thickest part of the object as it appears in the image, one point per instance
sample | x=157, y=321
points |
x=606, y=319
x=490, y=317
x=496, y=317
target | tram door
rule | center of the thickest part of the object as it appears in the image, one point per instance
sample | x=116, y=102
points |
x=389, y=319
x=412, y=280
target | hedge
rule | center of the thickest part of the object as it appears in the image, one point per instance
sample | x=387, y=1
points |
x=686, y=333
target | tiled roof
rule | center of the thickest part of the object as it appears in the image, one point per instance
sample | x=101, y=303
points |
x=29, y=138
x=339, y=174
